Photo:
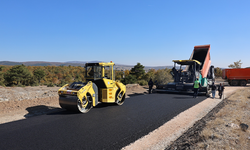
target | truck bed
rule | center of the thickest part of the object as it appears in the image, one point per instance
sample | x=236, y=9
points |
x=202, y=54
x=236, y=74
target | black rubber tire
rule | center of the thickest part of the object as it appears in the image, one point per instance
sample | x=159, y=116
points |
x=235, y=82
x=243, y=82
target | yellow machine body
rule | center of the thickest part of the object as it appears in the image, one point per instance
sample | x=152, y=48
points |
x=101, y=86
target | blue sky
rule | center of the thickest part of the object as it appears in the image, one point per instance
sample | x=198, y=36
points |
x=152, y=32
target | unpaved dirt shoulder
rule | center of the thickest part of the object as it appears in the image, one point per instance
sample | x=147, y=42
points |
x=222, y=128
x=26, y=93
x=23, y=102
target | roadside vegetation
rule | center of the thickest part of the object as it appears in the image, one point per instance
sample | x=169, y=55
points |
x=236, y=64
x=138, y=75
x=21, y=75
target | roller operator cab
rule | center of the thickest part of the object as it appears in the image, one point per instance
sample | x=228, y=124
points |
x=100, y=86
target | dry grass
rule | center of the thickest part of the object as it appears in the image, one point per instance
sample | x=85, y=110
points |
x=218, y=134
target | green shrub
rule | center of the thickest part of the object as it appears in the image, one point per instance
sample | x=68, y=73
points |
x=142, y=82
x=35, y=84
x=163, y=76
x=18, y=75
x=39, y=74
x=1, y=84
x=130, y=79
x=138, y=71
x=63, y=82
x=50, y=85
x=20, y=85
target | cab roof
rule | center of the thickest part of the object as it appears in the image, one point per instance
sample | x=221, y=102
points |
x=100, y=64
x=186, y=62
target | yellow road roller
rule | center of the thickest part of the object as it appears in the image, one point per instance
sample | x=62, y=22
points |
x=100, y=87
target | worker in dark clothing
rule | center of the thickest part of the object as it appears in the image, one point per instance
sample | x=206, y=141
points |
x=196, y=87
x=213, y=90
x=150, y=85
x=221, y=89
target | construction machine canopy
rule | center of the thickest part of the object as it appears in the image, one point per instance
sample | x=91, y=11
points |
x=100, y=64
x=186, y=62
x=95, y=71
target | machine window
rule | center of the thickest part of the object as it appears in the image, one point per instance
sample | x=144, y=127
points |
x=108, y=72
x=94, y=72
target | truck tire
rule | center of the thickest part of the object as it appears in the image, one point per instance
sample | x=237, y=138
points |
x=243, y=82
x=235, y=83
x=208, y=91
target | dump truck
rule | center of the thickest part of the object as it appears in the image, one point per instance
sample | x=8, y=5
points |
x=185, y=72
x=236, y=76
x=100, y=87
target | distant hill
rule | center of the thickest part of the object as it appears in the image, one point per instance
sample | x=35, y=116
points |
x=124, y=67
x=9, y=63
x=76, y=63
x=40, y=63
x=83, y=62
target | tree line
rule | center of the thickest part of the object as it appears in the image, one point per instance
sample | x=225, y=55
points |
x=21, y=75
x=138, y=75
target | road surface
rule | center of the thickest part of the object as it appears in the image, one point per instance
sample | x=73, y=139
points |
x=103, y=127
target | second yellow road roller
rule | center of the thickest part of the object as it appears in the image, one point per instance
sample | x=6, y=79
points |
x=100, y=87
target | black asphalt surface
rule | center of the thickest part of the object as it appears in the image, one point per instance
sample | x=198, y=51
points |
x=103, y=127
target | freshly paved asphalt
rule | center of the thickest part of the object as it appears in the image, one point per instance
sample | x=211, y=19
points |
x=103, y=127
